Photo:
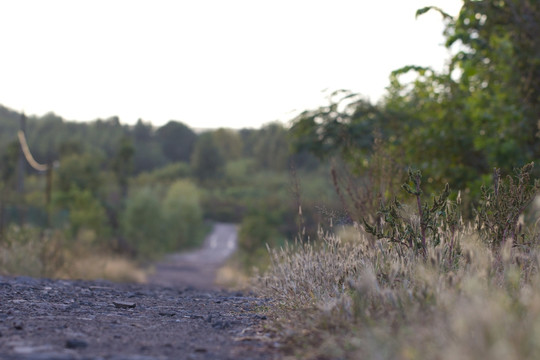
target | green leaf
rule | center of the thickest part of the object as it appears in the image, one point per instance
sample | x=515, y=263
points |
x=424, y=10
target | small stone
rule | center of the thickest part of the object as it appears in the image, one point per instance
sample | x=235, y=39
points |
x=124, y=304
x=18, y=325
x=76, y=344
x=200, y=350
x=221, y=325
x=167, y=313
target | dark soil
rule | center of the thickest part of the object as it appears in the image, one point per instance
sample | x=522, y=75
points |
x=42, y=319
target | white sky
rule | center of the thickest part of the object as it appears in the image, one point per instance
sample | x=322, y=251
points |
x=219, y=63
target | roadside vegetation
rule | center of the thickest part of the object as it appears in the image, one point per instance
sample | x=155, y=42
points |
x=123, y=196
x=439, y=255
x=419, y=283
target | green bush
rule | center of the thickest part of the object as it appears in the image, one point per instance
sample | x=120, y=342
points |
x=502, y=205
x=86, y=213
x=255, y=235
x=182, y=214
x=142, y=223
x=153, y=223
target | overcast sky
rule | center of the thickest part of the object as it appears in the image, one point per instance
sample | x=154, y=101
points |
x=219, y=63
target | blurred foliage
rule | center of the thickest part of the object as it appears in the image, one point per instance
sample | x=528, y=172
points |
x=207, y=161
x=81, y=171
x=183, y=217
x=480, y=112
x=85, y=212
x=502, y=205
x=177, y=141
x=142, y=223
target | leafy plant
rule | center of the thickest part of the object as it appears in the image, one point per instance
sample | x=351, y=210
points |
x=503, y=203
x=182, y=215
x=416, y=231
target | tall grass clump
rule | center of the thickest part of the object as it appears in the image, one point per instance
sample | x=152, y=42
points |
x=420, y=284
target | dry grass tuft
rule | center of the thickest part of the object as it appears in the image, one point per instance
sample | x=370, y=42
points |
x=33, y=252
x=232, y=276
x=359, y=300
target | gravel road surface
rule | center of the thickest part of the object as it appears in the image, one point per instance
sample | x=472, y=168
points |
x=179, y=315
x=198, y=268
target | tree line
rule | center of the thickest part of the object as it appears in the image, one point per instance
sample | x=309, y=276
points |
x=146, y=190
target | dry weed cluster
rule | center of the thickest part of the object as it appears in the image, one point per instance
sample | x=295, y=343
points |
x=48, y=253
x=352, y=295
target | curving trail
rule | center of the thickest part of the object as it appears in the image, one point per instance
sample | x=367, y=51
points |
x=198, y=268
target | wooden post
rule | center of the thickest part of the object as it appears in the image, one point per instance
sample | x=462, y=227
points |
x=48, y=191
x=21, y=164
x=21, y=170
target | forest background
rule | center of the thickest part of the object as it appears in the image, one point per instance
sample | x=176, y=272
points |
x=138, y=192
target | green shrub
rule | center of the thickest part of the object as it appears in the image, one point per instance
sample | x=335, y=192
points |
x=182, y=215
x=254, y=236
x=86, y=213
x=423, y=227
x=142, y=223
x=502, y=204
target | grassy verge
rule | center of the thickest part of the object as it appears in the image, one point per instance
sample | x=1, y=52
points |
x=34, y=252
x=413, y=286
x=367, y=300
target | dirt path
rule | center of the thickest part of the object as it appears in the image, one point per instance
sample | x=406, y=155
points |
x=171, y=318
x=198, y=268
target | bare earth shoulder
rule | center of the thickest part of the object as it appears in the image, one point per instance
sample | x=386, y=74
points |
x=178, y=315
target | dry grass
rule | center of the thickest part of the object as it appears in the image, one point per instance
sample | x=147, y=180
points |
x=358, y=299
x=232, y=276
x=33, y=252
x=104, y=266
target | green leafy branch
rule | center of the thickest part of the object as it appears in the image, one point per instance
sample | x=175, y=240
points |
x=420, y=230
x=502, y=204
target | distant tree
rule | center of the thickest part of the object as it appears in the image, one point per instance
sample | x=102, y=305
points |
x=86, y=212
x=182, y=214
x=122, y=164
x=207, y=162
x=177, y=141
x=70, y=147
x=249, y=139
x=229, y=143
x=148, y=151
x=142, y=131
x=148, y=156
x=80, y=171
x=272, y=148
x=142, y=223
x=8, y=162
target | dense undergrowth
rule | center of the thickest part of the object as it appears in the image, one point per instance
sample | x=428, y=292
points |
x=418, y=283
